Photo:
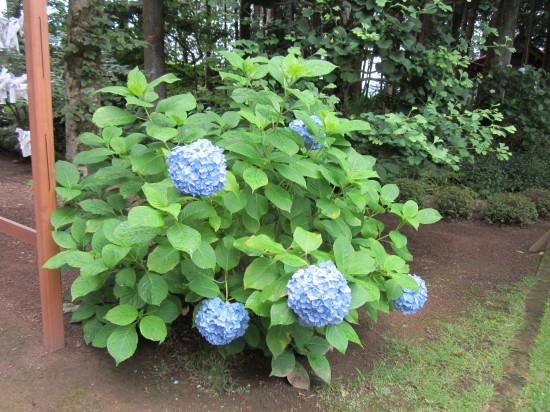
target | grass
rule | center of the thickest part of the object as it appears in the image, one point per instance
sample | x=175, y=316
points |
x=536, y=394
x=455, y=372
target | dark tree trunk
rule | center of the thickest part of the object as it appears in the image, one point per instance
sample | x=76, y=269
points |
x=244, y=20
x=528, y=34
x=82, y=73
x=546, y=62
x=153, y=34
x=505, y=21
x=457, y=18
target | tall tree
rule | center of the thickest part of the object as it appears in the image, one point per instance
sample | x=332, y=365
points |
x=153, y=33
x=505, y=20
x=82, y=72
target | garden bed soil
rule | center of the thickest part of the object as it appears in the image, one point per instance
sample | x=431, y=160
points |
x=460, y=261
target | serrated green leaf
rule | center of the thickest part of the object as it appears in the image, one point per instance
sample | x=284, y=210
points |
x=337, y=338
x=113, y=254
x=122, y=315
x=122, y=342
x=204, y=256
x=281, y=314
x=308, y=241
x=153, y=328
x=152, y=288
x=204, y=286
x=277, y=339
x=259, y=273
x=279, y=197
x=428, y=216
x=283, y=364
x=163, y=259
x=66, y=174
x=183, y=237
x=112, y=116
x=145, y=216
x=320, y=366
x=255, y=178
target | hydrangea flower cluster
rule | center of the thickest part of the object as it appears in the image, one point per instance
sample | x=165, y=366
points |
x=300, y=127
x=319, y=295
x=221, y=322
x=197, y=169
x=412, y=300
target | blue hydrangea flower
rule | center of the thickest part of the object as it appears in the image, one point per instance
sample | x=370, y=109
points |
x=319, y=295
x=412, y=300
x=197, y=169
x=310, y=141
x=221, y=322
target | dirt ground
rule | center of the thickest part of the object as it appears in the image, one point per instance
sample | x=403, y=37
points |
x=458, y=260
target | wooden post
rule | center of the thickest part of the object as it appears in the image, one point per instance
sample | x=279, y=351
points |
x=37, y=57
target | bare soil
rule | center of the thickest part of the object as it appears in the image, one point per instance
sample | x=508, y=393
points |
x=459, y=261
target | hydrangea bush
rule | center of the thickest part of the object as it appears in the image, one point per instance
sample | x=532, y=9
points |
x=239, y=213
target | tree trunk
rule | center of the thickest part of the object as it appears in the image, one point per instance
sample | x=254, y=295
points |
x=528, y=34
x=546, y=62
x=82, y=74
x=505, y=22
x=244, y=20
x=153, y=34
x=457, y=18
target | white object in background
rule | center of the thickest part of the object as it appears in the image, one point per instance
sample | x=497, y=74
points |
x=11, y=87
x=24, y=137
x=9, y=28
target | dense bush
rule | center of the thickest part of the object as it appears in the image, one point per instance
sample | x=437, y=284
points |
x=453, y=202
x=541, y=199
x=524, y=170
x=411, y=189
x=272, y=238
x=510, y=208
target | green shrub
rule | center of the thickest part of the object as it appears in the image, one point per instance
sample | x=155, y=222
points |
x=454, y=202
x=510, y=208
x=541, y=199
x=145, y=248
x=524, y=170
x=410, y=189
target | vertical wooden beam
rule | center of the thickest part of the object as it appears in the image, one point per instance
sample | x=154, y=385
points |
x=37, y=54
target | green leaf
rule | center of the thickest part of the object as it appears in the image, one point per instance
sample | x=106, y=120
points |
x=118, y=90
x=227, y=256
x=148, y=163
x=308, y=241
x=85, y=311
x=389, y=192
x=336, y=337
x=168, y=311
x=393, y=289
x=291, y=174
x=204, y=286
x=67, y=194
x=264, y=242
x=113, y=254
x=283, y=364
x=90, y=328
x=66, y=174
x=255, y=178
x=277, y=339
x=100, y=338
x=64, y=239
x=122, y=342
x=131, y=235
x=159, y=132
x=63, y=216
x=204, y=256
x=320, y=366
x=291, y=260
x=153, y=328
x=122, y=315
x=259, y=273
x=145, y=216
x=394, y=263
x=428, y=216
x=317, y=345
x=136, y=82
x=410, y=209
x=177, y=104
x=126, y=277
x=166, y=78
x=279, y=197
x=184, y=238
x=96, y=207
x=152, y=288
x=112, y=116
x=363, y=291
x=89, y=157
x=163, y=259
x=84, y=285
x=281, y=314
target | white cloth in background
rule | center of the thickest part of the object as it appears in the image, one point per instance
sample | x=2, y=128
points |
x=9, y=28
x=24, y=137
x=11, y=87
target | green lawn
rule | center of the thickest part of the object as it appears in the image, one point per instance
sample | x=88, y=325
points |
x=536, y=394
x=455, y=372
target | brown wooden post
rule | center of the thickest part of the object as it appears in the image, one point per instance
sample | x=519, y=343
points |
x=41, y=126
